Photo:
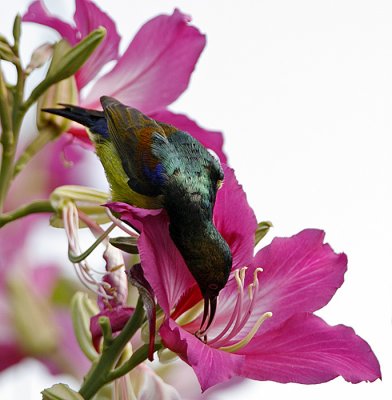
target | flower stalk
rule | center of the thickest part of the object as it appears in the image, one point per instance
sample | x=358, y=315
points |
x=40, y=206
x=102, y=371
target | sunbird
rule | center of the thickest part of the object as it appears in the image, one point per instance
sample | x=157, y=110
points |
x=153, y=165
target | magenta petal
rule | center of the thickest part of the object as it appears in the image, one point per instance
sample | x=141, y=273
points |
x=137, y=279
x=211, y=366
x=156, y=67
x=300, y=274
x=235, y=219
x=211, y=139
x=307, y=350
x=38, y=13
x=118, y=317
x=87, y=18
x=11, y=354
x=163, y=265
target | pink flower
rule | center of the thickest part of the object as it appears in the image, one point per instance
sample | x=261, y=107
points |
x=264, y=328
x=25, y=303
x=48, y=170
x=151, y=74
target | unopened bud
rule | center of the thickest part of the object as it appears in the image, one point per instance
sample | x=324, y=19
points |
x=64, y=91
x=166, y=356
x=30, y=310
x=60, y=391
x=39, y=57
x=6, y=52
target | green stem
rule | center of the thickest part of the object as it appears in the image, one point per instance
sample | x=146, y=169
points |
x=40, y=206
x=7, y=140
x=137, y=358
x=39, y=142
x=100, y=374
x=13, y=126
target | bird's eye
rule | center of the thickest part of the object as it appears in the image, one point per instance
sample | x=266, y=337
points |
x=219, y=184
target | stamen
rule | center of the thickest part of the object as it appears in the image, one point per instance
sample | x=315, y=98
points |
x=236, y=310
x=240, y=317
x=120, y=224
x=189, y=315
x=242, y=343
x=82, y=269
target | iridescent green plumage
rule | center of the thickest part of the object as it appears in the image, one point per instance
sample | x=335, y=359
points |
x=153, y=165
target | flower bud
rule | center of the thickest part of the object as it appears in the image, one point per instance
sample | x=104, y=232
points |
x=60, y=391
x=64, y=91
x=39, y=57
x=6, y=52
x=30, y=310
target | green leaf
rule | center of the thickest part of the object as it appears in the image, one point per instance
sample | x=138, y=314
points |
x=262, y=229
x=60, y=391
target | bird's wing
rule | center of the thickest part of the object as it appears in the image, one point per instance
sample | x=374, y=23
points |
x=133, y=134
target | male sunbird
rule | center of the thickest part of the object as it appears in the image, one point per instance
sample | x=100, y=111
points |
x=154, y=165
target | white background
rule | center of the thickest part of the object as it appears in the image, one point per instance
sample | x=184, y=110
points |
x=303, y=93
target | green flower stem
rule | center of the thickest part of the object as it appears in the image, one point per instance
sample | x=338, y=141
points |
x=101, y=372
x=40, y=206
x=39, y=142
x=137, y=358
x=106, y=329
x=11, y=125
x=7, y=140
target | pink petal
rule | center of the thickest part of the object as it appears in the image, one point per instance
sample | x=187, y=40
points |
x=64, y=159
x=87, y=18
x=163, y=265
x=71, y=359
x=211, y=366
x=235, y=220
x=11, y=354
x=38, y=13
x=211, y=139
x=307, y=350
x=300, y=274
x=156, y=67
x=118, y=317
x=44, y=279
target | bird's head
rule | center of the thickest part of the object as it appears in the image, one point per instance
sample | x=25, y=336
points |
x=212, y=275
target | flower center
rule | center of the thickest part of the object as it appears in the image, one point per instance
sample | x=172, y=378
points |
x=242, y=311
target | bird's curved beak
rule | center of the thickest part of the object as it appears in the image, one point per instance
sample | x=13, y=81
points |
x=210, y=302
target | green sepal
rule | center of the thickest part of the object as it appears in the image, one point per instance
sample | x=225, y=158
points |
x=128, y=244
x=262, y=229
x=82, y=309
x=60, y=391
